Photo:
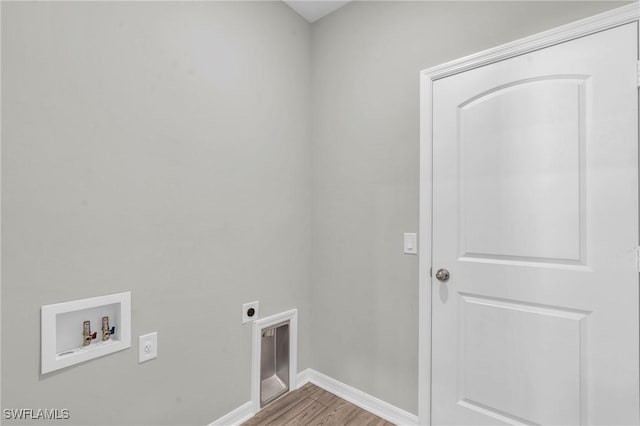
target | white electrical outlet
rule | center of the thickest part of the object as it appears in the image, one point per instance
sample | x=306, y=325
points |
x=249, y=312
x=148, y=347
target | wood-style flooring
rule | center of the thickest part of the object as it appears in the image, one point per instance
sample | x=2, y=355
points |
x=311, y=405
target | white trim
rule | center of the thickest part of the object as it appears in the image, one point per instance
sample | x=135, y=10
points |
x=577, y=29
x=237, y=416
x=258, y=326
x=363, y=400
x=49, y=328
x=615, y=17
x=304, y=377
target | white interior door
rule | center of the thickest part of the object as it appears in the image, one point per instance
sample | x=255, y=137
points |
x=535, y=216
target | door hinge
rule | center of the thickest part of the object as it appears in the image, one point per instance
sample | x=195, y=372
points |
x=638, y=72
x=638, y=258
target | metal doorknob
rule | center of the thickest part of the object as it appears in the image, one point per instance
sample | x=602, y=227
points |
x=442, y=275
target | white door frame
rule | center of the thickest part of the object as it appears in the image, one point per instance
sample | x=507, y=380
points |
x=603, y=21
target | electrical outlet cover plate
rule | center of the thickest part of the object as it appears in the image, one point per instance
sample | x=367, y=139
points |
x=245, y=312
x=148, y=347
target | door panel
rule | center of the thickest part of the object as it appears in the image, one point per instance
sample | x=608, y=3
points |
x=520, y=187
x=506, y=343
x=535, y=215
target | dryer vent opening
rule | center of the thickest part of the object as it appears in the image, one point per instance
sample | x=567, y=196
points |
x=274, y=362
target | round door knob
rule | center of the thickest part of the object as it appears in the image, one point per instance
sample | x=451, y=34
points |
x=442, y=275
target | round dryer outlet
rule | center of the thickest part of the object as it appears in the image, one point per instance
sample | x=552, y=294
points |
x=249, y=312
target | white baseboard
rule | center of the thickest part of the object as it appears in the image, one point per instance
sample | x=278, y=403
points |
x=304, y=377
x=361, y=399
x=237, y=416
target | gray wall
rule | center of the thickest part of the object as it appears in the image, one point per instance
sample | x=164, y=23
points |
x=172, y=149
x=365, y=90
x=161, y=148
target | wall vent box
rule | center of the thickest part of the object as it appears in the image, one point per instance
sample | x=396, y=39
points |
x=274, y=363
x=62, y=330
x=275, y=357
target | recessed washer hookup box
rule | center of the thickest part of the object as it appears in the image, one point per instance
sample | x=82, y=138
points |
x=80, y=330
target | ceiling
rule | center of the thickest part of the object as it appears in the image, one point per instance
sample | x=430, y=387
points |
x=312, y=10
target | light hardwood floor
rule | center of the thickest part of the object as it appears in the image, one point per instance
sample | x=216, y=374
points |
x=311, y=405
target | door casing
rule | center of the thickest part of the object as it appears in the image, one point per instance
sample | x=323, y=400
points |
x=600, y=22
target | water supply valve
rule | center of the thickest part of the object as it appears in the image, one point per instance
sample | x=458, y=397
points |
x=106, y=331
x=87, y=337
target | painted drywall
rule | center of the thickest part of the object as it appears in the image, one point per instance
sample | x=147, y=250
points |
x=366, y=58
x=167, y=149
x=161, y=148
